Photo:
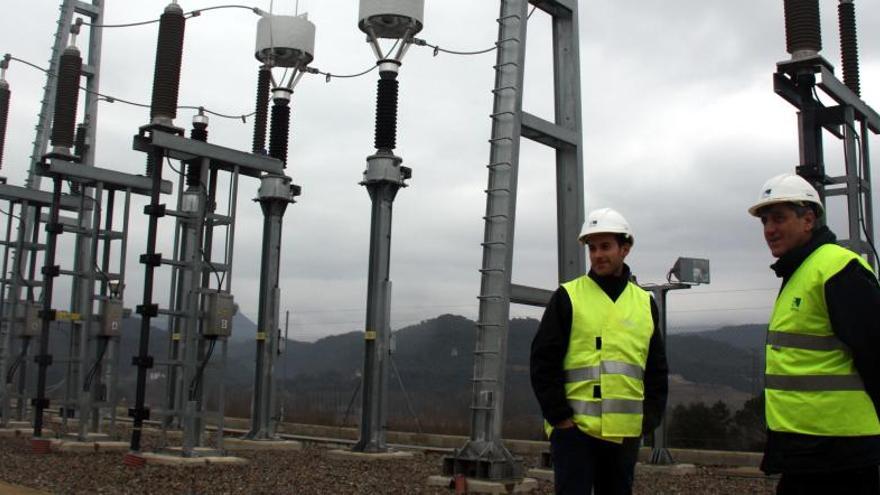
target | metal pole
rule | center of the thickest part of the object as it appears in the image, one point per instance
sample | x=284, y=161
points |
x=377, y=337
x=274, y=196
x=50, y=271
x=147, y=310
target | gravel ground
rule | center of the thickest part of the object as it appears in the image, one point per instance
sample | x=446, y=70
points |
x=309, y=471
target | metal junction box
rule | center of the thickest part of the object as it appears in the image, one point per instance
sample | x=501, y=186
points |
x=111, y=313
x=29, y=323
x=219, y=309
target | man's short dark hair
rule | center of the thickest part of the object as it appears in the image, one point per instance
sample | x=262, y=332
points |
x=624, y=239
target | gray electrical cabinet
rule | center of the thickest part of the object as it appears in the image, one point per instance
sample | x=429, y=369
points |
x=28, y=322
x=111, y=313
x=220, y=307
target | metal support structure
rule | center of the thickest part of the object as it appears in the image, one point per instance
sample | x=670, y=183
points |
x=274, y=195
x=660, y=452
x=799, y=81
x=20, y=275
x=383, y=178
x=195, y=271
x=484, y=456
x=93, y=368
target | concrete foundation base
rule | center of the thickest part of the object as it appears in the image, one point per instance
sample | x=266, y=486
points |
x=88, y=446
x=541, y=474
x=673, y=469
x=24, y=432
x=366, y=456
x=527, y=485
x=242, y=444
x=176, y=460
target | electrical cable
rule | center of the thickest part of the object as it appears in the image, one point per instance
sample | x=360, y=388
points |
x=113, y=99
x=13, y=215
x=188, y=15
x=328, y=75
x=195, y=386
x=860, y=174
x=438, y=50
x=93, y=371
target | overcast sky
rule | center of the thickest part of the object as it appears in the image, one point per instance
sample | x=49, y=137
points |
x=681, y=128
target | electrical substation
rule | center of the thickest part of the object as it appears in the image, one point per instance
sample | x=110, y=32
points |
x=191, y=189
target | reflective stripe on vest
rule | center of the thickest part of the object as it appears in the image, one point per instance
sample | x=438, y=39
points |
x=605, y=362
x=811, y=384
x=608, y=368
x=597, y=407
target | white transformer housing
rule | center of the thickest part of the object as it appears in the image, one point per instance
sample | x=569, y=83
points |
x=285, y=41
x=391, y=18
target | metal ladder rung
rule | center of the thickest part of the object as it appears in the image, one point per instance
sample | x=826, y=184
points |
x=491, y=270
x=506, y=40
x=483, y=298
x=493, y=243
x=499, y=164
x=502, y=138
x=72, y=273
x=498, y=114
x=484, y=324
x=487, y=351
x=166, y=261
x=497, y=189
x=504, y=64
x=509, y=16
x=493, y=217
x=505, y=88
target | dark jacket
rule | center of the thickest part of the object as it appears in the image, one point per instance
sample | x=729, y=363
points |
x=853, y=300
x=551, y=344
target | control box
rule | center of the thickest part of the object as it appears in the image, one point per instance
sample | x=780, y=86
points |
x=110, y=318
x=29, y=322
x=219, y=310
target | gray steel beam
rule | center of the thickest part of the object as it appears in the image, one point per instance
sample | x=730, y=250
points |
x=34, y=197
x=556, y=7
x=845, y=96
x=110, y=179
x=548, y=133
x=180, y=148
x=531, y=296
x=569, y=159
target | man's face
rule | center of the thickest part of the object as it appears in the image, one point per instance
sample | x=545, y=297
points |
x=606, y=255
x=783, y=229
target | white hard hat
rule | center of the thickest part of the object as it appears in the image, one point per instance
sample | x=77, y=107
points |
x=787, y=188
x=605, y=221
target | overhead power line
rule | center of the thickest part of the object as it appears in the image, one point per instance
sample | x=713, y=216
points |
x=113, y=99
x=190, y=14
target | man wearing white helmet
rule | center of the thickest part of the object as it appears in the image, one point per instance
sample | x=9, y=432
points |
x=598, y=366
x=822, y=373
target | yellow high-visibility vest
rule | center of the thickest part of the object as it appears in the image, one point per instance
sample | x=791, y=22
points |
x=811, y=385
x=605, y=362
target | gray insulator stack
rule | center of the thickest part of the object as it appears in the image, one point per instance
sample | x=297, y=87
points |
x=849, y=45
x=280, y=132
x=169, y=54
x=261, y=113
x=4, y=115
x=66, y=98
x=803, y=34
x=199, y=132
x=386, y=112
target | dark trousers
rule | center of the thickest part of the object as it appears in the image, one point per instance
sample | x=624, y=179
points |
x=582, y=463
x=861, y=481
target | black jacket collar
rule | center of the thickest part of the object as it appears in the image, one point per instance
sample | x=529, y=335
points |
x=612, y=285
x=786, y=265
